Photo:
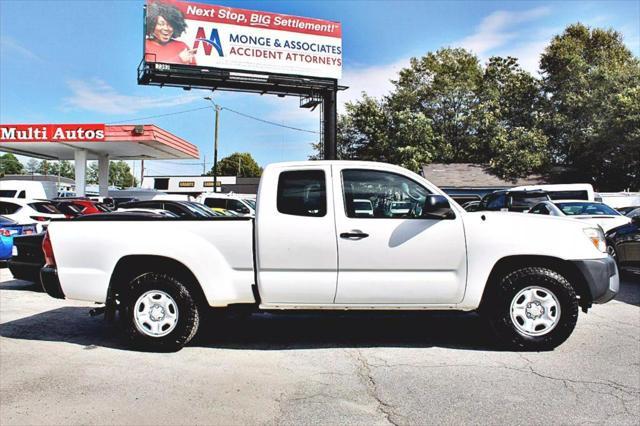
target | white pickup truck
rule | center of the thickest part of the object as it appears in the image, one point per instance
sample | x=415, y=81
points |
x=310, y=247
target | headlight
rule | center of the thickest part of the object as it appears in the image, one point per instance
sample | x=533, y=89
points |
x=597, y=238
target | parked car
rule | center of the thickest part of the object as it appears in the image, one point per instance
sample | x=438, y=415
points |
x=633, y=213
x=566, y=191
x=180, y=208
x=623, y=244
x=28, y=211
x=626, y=210
x=308, y=249
x=224, y=212
x=27, y=189
x=243, y=206
x=588, y=211
x=80, y=206
x=28, y=258
x=9, y=230
x=159, y=212
x=512, y=200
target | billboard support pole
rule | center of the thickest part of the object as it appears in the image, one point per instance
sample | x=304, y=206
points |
x=215, y=152
x=330, y=118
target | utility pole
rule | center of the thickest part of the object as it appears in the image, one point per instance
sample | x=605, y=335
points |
x=141, y=171
x=239, y=166
x=204, y=164
x=215, y=144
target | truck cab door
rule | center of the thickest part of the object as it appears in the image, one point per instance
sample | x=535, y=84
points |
x=394, y=256
x=296, y=252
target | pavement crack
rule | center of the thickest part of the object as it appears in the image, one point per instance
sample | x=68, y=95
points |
x=364, y=372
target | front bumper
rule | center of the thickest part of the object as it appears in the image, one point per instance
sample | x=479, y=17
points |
x=51, y=282
x=601, y=276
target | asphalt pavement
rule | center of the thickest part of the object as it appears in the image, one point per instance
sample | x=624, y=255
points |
x=58, y=365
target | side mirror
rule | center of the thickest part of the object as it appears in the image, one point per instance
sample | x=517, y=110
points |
x=437, y=207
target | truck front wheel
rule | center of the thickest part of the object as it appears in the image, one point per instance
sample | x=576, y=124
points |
x=159, y=313
x=534, y=308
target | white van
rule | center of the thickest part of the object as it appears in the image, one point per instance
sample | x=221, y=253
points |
x=32, y=189
x=569, y=191
x=241, y=204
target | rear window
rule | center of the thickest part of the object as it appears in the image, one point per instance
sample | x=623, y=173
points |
x=302, y=193
x=568, y=195
x=8, y=208
x=7, y=193
x=44, y=208
x=526, y=200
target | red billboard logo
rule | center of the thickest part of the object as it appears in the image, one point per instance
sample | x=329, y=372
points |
x=208, y=43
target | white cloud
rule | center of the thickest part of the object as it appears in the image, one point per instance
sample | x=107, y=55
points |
x=98, y=96
x=8, y=46
x=499, y=28
x=374, y=81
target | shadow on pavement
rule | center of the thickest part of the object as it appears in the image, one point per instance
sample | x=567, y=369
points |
x=629, y=290
x=265, y=331
x=21, y=285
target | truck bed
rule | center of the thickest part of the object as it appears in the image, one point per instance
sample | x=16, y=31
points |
x=219, y=252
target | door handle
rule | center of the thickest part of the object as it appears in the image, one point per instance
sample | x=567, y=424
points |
x=354, y=234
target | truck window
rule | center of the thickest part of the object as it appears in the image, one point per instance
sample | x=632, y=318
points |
x=216, y=203
x=22, y=194
x=302, y=193
x=375, y=194
x=237, y=206
x=7, y=193
x=496, y=201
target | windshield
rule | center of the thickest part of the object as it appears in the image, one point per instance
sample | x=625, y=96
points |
x=586, y=209
x=252, y=203
x=8, y=193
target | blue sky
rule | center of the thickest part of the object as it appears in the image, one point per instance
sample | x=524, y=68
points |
x=75, y=61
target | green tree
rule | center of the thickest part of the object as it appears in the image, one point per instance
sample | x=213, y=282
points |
x=32, y=166
x=510, y=138
x=240, y=164
x=447, y=108
x=443, y=86
x=119, y=174
x=592, y=83
x=63, y=168
x=10, y=165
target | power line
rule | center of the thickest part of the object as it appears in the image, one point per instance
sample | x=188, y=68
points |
x=270, y=122
x=221, y=107
x=160, y=115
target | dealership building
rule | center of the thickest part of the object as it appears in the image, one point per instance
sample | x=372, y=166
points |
x=101, y=142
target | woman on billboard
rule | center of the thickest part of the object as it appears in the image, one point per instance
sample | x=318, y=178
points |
x=165, y=23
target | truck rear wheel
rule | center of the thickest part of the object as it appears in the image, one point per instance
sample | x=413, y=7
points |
x=534, y=308
x=159, y=313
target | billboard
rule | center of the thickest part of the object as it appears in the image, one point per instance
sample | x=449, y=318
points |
x=234, y=39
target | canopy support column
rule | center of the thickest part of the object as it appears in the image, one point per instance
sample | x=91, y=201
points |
x=80, y=159
x=103, y=175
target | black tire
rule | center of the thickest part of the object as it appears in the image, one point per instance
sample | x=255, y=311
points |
x=188, y=316
x=498, y=308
